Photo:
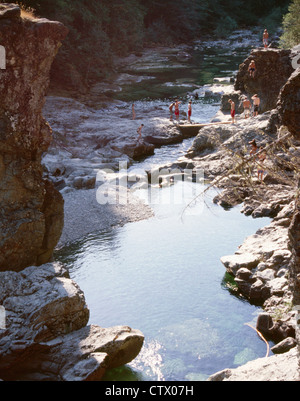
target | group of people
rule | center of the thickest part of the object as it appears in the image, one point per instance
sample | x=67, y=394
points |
x=175, y=105
x=246, y=105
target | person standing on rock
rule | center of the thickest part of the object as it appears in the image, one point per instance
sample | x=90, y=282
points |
x=256, y=103
x=247, y=106
x=265, y=38
x=171, y=110
x=139, y=131
x=176, y=105
x=189, y=111
x=133, y=112
x=232, y=110
x=252, y=69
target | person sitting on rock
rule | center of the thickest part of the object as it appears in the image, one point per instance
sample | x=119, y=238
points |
x=252, y=69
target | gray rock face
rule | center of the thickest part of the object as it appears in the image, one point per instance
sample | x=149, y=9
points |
x=31, y=214
x=275, y=368
x=46, y=335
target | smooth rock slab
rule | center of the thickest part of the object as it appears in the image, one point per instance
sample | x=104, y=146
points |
x=46, y=337
x=275, y=368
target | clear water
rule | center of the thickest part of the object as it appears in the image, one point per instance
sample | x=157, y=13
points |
x=163, y=276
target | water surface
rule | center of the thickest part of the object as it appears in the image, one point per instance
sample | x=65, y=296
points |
x=163, y=276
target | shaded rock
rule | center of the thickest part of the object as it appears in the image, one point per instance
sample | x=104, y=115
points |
x=273, y=69
x=277, y=331
x=288, y=105
x=31, y=211
x=284, y=346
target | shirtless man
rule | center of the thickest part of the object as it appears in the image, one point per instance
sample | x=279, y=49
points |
x=265, y=38
x=232, y=110
x=256, y=103
x=139, y=131
x=247, y=106
x=252, y=69
x=177, y=109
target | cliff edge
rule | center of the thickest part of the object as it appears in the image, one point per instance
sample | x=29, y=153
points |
x=31, y=212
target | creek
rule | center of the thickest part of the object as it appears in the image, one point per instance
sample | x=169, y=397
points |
x=163, y=275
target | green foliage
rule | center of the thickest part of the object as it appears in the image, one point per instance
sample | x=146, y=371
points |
x=291, y=26
x=100, y=29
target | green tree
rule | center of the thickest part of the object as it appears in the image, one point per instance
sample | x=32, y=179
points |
x=291, y=26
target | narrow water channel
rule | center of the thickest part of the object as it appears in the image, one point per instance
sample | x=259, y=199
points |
x=163, y=275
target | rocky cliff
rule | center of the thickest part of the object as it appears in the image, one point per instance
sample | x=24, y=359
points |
x=273, y=69
x=43, y=316
x=31, y=209
x=266, y=266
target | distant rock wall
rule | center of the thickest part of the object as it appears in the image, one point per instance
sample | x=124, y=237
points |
x=31, y=210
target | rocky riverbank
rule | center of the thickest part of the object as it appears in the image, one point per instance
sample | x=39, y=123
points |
x=266, y=265
x=46, y=335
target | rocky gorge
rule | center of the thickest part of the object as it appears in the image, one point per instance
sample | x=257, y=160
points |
x=46, y=313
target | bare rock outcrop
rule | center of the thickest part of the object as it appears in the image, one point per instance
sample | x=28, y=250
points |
x=288, y=105
x=46, y=335
x=31, y=213
x=275, y=368
x=273, y=69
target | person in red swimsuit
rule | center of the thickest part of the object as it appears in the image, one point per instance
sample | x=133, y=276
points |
x=189, y=111
x=232, y=110
x=177, y=109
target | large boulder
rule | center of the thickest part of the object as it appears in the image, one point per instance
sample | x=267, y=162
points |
x=46, y=336
x=288, y=105
x=273, y=68
x=31, y=210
